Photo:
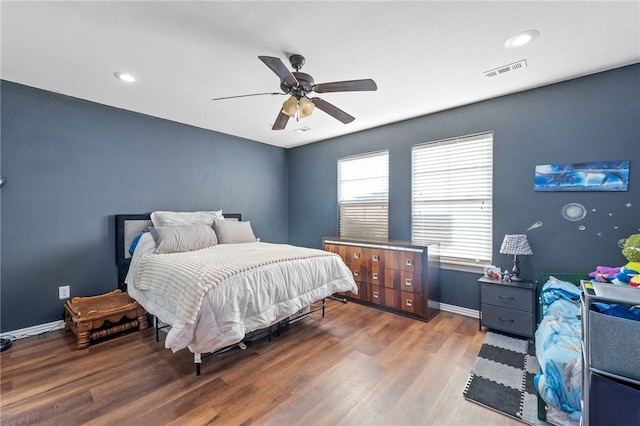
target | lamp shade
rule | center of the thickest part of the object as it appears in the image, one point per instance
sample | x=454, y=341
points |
x=515, y=244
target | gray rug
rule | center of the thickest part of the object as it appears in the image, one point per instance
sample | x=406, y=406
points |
x=502, y=378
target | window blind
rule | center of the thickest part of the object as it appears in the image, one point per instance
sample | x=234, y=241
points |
x=452, y=197
x=363, y=195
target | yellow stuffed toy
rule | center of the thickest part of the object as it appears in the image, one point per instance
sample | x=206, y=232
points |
x=630, y=273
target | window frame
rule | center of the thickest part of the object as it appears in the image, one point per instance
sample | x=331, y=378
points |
x=452, y=258
x=370, y=227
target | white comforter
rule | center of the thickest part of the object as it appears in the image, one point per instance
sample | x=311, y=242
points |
x=230, y=305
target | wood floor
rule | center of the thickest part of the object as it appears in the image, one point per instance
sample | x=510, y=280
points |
x=356, y=366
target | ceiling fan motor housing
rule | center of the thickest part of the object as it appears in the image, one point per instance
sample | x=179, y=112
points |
x=304, y=86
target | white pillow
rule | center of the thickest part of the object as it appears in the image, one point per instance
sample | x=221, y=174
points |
x=164, y=218
x=177, y=239
x=230, y=232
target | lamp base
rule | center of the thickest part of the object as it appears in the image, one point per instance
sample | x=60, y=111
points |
x=515, y=272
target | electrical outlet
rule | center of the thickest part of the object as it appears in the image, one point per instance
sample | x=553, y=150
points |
x=64, y=292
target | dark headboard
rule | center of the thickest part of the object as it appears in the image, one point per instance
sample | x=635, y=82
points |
x=128, y=226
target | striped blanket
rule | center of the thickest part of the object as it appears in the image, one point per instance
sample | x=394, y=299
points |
x=185, y=278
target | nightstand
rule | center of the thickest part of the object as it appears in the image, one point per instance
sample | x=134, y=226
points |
x=508, y=306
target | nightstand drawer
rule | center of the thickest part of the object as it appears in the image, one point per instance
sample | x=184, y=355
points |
x=509, y=320
x=507, y=297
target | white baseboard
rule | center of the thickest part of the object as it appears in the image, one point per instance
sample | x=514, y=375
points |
x=33, y=330
x=460, y=310
x=57, y=325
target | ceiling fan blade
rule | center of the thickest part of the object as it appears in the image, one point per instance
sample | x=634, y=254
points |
x=244, y=96
x=281, y=70
x=346, y=86
x=332, y=110
x=281, y=121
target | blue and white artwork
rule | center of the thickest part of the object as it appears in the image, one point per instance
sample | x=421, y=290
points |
x=600, y=176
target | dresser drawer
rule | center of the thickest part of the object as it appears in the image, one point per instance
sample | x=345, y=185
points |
x=403, y=260
x=363, y=292
x=411, y=281
x=340, y=251
x=507, y=297
x=403, y=280
x=376, y=277
x=411, y=302
x=509, y=320
x=376, y=295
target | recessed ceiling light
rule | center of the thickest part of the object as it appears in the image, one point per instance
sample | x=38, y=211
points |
x=521, y=39
x=129, y=78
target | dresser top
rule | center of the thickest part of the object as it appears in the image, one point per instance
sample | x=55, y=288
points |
x=379, y=242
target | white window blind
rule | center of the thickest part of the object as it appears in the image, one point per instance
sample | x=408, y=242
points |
x=452, y=197
x=363, y=195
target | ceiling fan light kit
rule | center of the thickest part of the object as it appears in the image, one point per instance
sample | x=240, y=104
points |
x=290, y=106
x=298, y=85
x=305, y=107
x=298, y=107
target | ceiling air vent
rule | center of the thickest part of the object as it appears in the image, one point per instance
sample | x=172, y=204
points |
x=506, y=68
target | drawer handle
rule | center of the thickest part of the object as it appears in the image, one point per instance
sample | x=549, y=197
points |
x=376, y=294
x=408, y=262
x=375, y=258
x=505, y=297
x=356, y=255
x=506, y=319
x=409, y=302
x=375, y=275
x=407, y=282
x=356, y=273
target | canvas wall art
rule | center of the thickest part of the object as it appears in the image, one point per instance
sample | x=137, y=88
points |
x=596, y=176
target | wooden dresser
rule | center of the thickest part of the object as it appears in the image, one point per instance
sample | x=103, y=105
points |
x=398, y=276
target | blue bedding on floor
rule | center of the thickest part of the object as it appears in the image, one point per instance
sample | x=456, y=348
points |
x=558, y=347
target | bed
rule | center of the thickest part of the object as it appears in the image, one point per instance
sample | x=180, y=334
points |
x=208, y=277
x=558, y=349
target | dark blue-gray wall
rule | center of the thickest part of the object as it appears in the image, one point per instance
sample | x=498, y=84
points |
x=71, y=165
x=594, y=118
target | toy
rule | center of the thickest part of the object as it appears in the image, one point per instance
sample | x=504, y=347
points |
x=605, y=274
x=630, y=273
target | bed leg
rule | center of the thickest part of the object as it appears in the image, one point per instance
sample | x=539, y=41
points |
x=155, y=325
x=197, y=359
x=542, y=409
x=324, y=303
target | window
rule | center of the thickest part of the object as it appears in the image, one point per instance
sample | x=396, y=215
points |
x=452, y=197
x=363, y=195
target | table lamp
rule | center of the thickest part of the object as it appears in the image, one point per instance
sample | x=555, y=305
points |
x=515, y=244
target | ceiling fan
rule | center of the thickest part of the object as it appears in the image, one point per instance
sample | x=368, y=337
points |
x=299, y=85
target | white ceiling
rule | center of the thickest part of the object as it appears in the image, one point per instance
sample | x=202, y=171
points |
x=424, y=56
